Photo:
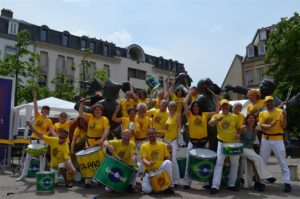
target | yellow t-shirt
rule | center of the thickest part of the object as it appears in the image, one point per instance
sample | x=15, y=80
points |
x=154, y=152
x=193, y=98
x=125, y=104
x=65, y=126
x=159, y=120
x=171, y=127
x=79, y=133
x=96, y=126
x=266, y=117
x=124, y=151
x=59, y=152
x=252, y=108
x=156, y=103
x=227, y=127
x=146, y=101
x=198, y=125
x=42, y=125
x=125, y=125
x=241, y=119
x=179, y=103
x=144, y=124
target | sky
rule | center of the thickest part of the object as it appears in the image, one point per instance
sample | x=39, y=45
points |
x=204, y=35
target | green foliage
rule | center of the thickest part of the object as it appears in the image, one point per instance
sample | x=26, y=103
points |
x=65, y=88
x=24, y=67
x=283, y=52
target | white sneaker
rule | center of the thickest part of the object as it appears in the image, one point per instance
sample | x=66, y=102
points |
x=22, y=177
x=108, y=190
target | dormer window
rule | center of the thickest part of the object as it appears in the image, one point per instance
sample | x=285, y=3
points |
x=43, y=35
x=261, y=48
x=92, y=46
x=250, y=51
x=263, y=35
x=65, y=40
x=105, y=50
x=83, y=43
x=13, y=28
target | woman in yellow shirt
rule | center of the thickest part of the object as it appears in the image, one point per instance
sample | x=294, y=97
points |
x=79, y=136
x=173, y=129
x=142, y=98
x=129, y=101
x=197, y=121
x=256, y=104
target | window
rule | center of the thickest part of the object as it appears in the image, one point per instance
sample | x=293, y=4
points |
x=44, y=62
x=261, y=49
x=249, y=77
x=92, y=46
x=118, y=52
x=161, y=81
x=135, y=73
x=106, y=69
x=69, y=68
x=259, y=74
x=43, y=35
x=65, y=40
x=83, y=43
x=250, y=51
x=60, y=65
x=263, y=35
x=87, y=72
x=9, y=51
x=13, y=28
x=105, y=50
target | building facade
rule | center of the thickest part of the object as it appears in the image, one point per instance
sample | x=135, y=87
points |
x=62, y=52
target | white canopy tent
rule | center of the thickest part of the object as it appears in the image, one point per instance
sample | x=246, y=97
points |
x=244, y=103
x=25, y=112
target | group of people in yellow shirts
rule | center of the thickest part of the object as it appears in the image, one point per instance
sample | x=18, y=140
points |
x=152, y=128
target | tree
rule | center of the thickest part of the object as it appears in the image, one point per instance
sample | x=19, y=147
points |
x=283, y=53
x=24, y=67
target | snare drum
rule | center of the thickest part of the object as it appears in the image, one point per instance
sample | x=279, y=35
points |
x=45, y=181
x=114, y=174
x=36, y=150
x=201, y=164
x=232, y=148
x=160, y=181
x=89, y=160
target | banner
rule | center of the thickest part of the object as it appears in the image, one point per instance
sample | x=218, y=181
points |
x=7, y=87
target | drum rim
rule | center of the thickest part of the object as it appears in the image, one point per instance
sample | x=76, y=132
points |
x=119, y=161
x=212, y=157
x=99, y=149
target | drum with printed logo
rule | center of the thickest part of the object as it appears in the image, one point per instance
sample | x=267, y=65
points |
x=89, y=160
x=160, y=181
x=232, y=148
x=45, y=181
x=34, y=167
x=36, y=150
x=201, y=164
x=114, y=174
x=181, y=160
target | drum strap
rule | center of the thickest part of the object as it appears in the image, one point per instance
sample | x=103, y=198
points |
x=273, y=134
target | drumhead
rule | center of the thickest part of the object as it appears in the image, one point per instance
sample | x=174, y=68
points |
x=203, y=153
x=36, y=146
x=88, y=150
x=233, y=145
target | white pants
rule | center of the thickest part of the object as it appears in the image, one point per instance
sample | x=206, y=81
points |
x=165, y=166
x=259, y=164
x=277, y=146
x=27, y=163
x=139, y=159
x=234, y=165
x=175, y=168
x=57, y=172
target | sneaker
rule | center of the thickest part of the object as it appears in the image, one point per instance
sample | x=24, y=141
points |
x=87, y=185
x=287, y=187
x=233, y=188
x=271, y=180
x=206, y=186
x=213, y=191
x=169, y=191
x=22, y=177
x=131, y=189
x=186, y=187
x=108, y=190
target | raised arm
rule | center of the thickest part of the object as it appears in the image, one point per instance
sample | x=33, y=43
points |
x=35, y=105
x=185, y=104
x=114, y=116
x=81, y=109
x=40, y=135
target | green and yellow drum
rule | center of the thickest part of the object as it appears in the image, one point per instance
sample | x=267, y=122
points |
x=34, y=167
x=160, y=181
x=232, y=148
x=114, y=174
x=201, y=164
x=45, y=181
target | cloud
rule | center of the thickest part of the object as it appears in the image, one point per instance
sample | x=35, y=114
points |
x=120, y=38
x=217, y=28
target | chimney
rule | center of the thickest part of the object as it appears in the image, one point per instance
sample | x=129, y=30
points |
x=7, y=13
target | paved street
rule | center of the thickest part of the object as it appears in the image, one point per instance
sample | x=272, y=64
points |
x=10, y=189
